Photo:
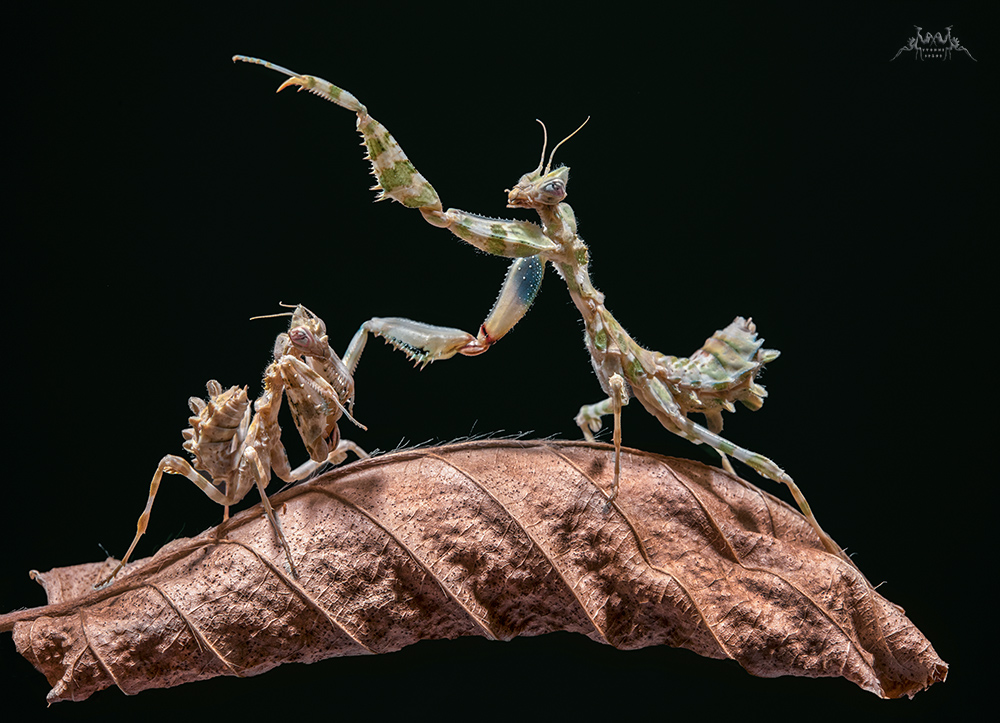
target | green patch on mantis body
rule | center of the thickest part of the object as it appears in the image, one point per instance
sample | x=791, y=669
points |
x=635, y=370
x=398, y=175
x=376, y=145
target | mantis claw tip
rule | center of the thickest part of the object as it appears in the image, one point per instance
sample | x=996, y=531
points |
x=290, y=82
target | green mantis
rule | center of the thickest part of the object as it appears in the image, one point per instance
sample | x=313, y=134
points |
x=708, y=382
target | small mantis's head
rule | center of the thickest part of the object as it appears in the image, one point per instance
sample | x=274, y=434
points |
x=542, y=187
x=306, y=334
x=304, y=318
x=307, y=341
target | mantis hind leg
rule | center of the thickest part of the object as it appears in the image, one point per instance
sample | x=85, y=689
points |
x=656, y=398
x=173, y=465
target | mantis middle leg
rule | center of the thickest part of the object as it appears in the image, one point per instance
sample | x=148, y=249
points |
x=589, y=421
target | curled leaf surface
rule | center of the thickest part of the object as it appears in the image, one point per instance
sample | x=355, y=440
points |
x=489, y=538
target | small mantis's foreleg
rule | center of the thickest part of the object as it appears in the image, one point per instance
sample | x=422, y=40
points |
x=307, y=390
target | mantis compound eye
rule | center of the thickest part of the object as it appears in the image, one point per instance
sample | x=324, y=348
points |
x=301, y=337
x=553, y=192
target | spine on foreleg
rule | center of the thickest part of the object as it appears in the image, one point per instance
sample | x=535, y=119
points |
x=422, y=343
x=397, y=177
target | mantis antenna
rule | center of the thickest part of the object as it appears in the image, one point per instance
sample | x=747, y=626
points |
x=283, y=313
x=548, y=166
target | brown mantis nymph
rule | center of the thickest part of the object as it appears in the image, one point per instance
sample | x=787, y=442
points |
x=722, y=372
x=238, y=453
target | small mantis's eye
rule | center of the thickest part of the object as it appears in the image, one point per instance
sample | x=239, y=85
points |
x=301, y=337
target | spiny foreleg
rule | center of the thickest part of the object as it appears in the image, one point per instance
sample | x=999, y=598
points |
x=315, y=406
x=397, y=178
x=425, y=343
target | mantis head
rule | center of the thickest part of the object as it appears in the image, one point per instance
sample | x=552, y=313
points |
x=543, y=186
x=306, y=333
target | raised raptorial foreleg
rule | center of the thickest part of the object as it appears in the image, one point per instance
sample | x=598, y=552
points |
x=397, y=178
x=497, y=237
x=425, y=343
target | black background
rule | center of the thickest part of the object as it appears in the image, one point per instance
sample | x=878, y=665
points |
x=761, y=161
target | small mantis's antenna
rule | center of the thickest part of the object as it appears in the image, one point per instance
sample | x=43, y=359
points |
x=283, y=313
x=548, y=166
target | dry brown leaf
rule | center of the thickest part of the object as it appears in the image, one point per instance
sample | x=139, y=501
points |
x=490, y=538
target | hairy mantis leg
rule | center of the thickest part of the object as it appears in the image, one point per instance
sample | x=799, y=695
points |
x=399, y=179
x=659, y=402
